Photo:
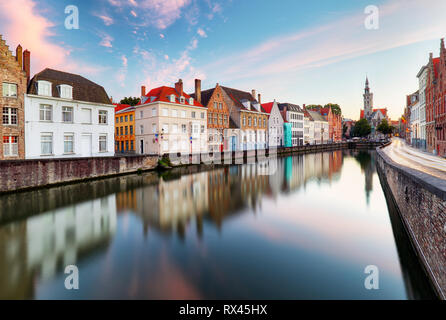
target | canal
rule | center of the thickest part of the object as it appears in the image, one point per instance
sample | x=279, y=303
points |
x=307, y=229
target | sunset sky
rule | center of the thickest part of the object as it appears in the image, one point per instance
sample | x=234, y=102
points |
x=303, y=52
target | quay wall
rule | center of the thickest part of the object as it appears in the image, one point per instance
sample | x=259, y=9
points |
x=19, y=175
x=421, y=202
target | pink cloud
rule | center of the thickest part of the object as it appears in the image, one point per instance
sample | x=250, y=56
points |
x=23, y=24
x=106, y=19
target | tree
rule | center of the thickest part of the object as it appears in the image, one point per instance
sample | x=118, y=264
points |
x=133, y=101
x=362, y=128
x=335, y=108
x=384, y=127
x=315, y=107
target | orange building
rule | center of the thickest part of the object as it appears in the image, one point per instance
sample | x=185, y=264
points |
x=124, y=129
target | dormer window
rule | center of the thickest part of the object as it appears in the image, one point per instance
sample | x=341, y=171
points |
x=65, y=91
x=172, y=98
x=44, y=88
x=191, y=101
x=182, y=100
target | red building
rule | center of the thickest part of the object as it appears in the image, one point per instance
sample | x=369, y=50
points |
x=334, y=124
x=431, y=102
x=440, y=107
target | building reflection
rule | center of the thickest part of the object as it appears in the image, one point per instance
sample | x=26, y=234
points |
x=367, y=162
x=41, y=246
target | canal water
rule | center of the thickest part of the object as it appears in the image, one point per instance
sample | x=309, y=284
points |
x=306, y=228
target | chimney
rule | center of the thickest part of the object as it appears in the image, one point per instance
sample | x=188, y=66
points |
x=143, y=91
x=253, y=94
x=179, y=87
x=442, y=43
x=19, y=56
x=259, y=98
x=198, y=90
x=303, y=105
x=27, y=64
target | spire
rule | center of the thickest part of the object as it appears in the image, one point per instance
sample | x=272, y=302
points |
x=366, y=81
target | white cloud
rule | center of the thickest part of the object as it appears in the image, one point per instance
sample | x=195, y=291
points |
x=161, y=36
x=124, y=61
x=106, y=40
x=133, y=13
x=201, y=33
x=107, y=20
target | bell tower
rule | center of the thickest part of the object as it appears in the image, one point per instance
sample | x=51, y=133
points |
x=368, y=100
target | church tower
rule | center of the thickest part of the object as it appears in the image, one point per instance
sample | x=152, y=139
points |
x=368, y=100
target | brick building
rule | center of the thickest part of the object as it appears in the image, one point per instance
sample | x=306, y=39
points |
x=431, y=102
x=14, y=77
x=218, y=116
x=440, y=110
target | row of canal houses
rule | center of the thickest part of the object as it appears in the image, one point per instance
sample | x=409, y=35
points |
x=57, y=114
x=168, y=120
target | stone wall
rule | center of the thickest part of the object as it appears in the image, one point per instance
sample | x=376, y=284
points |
x=25, y=174
x=421, y=201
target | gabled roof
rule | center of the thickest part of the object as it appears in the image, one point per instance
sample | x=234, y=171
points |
x=83, y=89
x=162, y=94
x=119, y=106
x=238, y=96
x=324, y=111
x=268, y=106
x=290, y=107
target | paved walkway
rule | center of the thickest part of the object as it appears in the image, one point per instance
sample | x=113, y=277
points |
x=410, y=157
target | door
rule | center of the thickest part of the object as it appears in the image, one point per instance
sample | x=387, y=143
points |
x=233, y=144
x=141, y=146
x=86, y=145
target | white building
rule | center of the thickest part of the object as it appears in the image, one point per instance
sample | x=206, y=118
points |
x=294, y=114
x=170, y=121
x=67, y=115
x=415, y=120
x=321, y=128
x=275, y=125
x=422, y=78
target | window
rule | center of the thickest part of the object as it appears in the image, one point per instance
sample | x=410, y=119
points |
x=131, y=145
x=183, y=114
x=10, y=146
x=126, y=146
x=68, y=143
x=131, y=117
x=153, y=112
x=122, y=119
x=117, y=131
x=174, y=128
x=255, y=122
x=191, y=101
x=220, y=106
x=154, y=128
x=202, y=115
x=103, y=143
x=141, y=114
x=244, y=120
x=193, y=114
x=172, y=98
x=121, y=130
x=103, y=117
x=174, y=113
x=66, y=91
x=117, y=119
x=183, y=128
x=86, y=116
x=46, y=112
x=182, y=100
x=9, y=90
x=202, y=129
x=141, y=129
x=131, y=129
x=46, y=144
x=67, y=114
x=126, y=130
x=165, y=112
x=126, y=118
x=9, y=116
x=249, y=121
x=165, y=128
x=44, y=88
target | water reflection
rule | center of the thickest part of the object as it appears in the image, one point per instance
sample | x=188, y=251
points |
x=249, y=226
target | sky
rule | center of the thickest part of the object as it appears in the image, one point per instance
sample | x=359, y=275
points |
x=302, y=52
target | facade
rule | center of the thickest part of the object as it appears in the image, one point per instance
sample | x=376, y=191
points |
x=309, y=128
x=67, y=116
x=422, y=80
x=275, y=125
x=440, y=110
x=124, y=129
x=14, y=75
x=321, y=128
x=415, y=120
x=431, y=103
x=217, y=116
x=248, y=116
x=167, y=120
x=294, y=114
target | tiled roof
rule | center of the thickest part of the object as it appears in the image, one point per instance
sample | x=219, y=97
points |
x=119, y=106
x=83, y=89
x=237, y=96
x=316, y=116
x=383, y=111
x=162, y=94
x=205, y=96
x=268, y=106
x=128, y=109
x=290, y=107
